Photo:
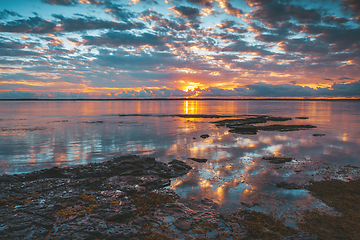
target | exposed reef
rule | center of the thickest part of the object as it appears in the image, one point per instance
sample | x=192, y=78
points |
x=201, y=160
x=278, y=160
x=343, y=197
x=123, y=198
x=245, y=125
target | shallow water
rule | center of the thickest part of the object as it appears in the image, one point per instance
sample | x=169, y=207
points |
x=43, y=134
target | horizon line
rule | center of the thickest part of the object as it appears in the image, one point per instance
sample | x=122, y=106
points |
x=179, y=99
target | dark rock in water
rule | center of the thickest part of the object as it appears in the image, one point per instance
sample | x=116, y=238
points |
x=252, y=130
x=319, y=134
x=285, y=185
x=205, y=136
x=92, y=122
x=249, y=130
x=250, y=204
x=278, y=119
x=301, y=118
x=245, y=126
x=182, y=223
x=285, y=128
x=241, y=121
x=202, y=160
x=277, y=160
x=250, y=120
x=178, y=168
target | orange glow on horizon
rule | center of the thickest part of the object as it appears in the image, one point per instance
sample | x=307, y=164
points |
x=190, y=86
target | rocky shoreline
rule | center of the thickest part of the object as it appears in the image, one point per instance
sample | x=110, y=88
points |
x=123, y=198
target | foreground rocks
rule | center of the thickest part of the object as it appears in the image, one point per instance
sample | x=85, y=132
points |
x=123, y=198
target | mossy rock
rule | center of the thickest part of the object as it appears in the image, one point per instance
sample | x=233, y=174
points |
x=344, y=197
x=147, y=201
x=264, y=226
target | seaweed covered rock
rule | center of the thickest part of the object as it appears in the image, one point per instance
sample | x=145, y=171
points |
x=98, y=200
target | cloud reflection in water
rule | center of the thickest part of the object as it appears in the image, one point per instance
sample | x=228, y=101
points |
x=83, y=132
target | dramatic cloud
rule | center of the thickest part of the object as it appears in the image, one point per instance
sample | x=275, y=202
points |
x=203, y=3
x=229, y=9
x=179, y=48
x=352, y=5
x=272, y=13
x=187, y=12
x=248, y=91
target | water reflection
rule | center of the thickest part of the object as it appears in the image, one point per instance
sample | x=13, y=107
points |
x=36, y=135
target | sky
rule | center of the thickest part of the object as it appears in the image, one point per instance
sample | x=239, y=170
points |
x=179, y=48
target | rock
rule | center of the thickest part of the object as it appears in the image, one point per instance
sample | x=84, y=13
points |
x=278, y=119
x=201, y=160
x=301, y=236
x=285, y=128
x=277, y=160
x=250, y=205
x=245, y=125
x=182, y=223
x=319, y=134
x=205, y=136
x=249, y=130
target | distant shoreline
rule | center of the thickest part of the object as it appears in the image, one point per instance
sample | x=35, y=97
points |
x=177, y=99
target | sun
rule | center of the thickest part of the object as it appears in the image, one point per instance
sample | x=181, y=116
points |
x=190, y=86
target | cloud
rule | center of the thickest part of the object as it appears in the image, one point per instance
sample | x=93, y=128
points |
x=186, y=12
x=259, y=89
x=41, y=26
x=17, y=52
x=272, y=12
x=217, y=92
x=152, y=93
x=74, y=2
x=353, y=6
x=146, y=1
x=242, y=46
x=304, y=45
x=116, y=39
x=16, y=94
x=62, y=2
x=6, y=13
x=229, y=9
x=163, y=24
x=341, y=38
x=118, y=11
x=334, y=20
x=90, y=23
x=342, y=90
x=30, y=25
x=204, y=3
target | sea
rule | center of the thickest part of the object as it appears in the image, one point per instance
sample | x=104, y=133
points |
x=35, y=135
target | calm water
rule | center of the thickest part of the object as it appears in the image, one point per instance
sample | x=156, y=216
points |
x=37, y=135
